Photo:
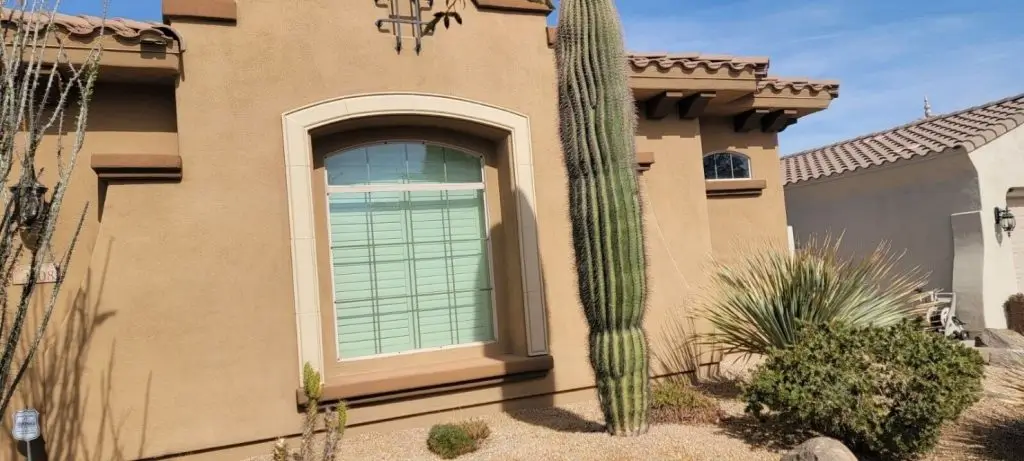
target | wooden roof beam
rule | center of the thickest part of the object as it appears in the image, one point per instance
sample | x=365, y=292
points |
x=661, y=105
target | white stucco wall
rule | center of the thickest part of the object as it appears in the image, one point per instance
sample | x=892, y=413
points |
x=1000, y=166
x=913, y=205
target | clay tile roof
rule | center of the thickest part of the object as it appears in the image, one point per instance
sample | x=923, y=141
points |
x=799, y=84
x=84, y=26
x=690, y=61
x=968, y=129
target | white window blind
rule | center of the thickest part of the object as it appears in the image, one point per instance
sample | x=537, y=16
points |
x=409, y=245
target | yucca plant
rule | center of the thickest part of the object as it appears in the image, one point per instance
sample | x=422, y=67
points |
x=760, y=302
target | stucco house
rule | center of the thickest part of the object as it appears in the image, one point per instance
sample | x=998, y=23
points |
x=278, y=183
x=944, y=188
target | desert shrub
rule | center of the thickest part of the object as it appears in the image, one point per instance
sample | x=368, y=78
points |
x=450, y=441
x=885, y=391
x=761, y=301
x=477, y=429
x=675, y=401
x=1013, y=307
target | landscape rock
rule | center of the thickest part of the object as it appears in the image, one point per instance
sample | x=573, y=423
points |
x=820, y=449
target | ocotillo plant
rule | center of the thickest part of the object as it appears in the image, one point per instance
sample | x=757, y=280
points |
x=597, y=125
x=44, y=94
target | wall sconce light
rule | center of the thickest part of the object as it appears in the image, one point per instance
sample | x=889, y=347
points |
x=30, y=207
x=1005, y=220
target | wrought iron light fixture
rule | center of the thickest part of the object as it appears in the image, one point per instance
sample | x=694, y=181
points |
x=414, y=19
x=30, y=207
x=1005, y=220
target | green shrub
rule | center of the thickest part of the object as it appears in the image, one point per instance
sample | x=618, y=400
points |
x=885, y=391
x=675, y=401
x=760, y=302
x=450, y=441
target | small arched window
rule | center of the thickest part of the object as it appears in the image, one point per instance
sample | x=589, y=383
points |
x=726, y=165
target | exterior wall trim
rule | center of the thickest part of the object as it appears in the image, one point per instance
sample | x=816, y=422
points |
x=298, y=152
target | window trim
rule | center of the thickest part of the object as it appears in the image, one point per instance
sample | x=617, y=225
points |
x=480, y=186
x=298, y=125
x=750, y=169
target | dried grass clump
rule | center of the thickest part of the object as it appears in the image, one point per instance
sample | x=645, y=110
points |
x=676, y=402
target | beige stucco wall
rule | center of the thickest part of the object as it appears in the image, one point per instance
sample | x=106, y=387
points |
x=745, y=223
x=1000, y=166
x=192, y=331
x=907, y=205
x=911, y=205
x=99, y=343
x=940, y=209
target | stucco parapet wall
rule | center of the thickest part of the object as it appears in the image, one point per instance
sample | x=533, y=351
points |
x=210, y=10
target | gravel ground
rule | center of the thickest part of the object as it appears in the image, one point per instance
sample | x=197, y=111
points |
x=568, y=433
x=989, y=431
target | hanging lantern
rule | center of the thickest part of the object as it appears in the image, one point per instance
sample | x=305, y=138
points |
x=30, y=202
x=1005, y=220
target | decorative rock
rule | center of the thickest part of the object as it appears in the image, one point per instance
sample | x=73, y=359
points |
x=820, y=449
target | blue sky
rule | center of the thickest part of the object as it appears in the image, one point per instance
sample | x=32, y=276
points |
x=888, y=54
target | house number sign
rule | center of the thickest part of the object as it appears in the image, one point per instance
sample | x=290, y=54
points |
x=47, y=273
x=26, y=425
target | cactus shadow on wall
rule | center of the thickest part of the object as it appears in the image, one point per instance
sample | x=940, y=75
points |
x=57, y=385
x=538, y=409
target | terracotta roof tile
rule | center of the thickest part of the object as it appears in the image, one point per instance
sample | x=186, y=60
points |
x=968, y=129
x=84, y=25
x=690, y=61
x=799, y=84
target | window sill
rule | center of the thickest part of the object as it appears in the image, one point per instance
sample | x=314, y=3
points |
x=734, y=187
x=381, y=386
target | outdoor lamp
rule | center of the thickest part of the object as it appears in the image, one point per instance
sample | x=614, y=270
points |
x=29, y=197
x=1006, y=220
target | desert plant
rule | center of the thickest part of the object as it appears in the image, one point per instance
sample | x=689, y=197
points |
x=334, y=420
x=450, y=441
x=762, y=301
x=675, y=401
x=39, y=84
x=477, y=429
x=597, y=126
x=1014, y=310
x=885, y=391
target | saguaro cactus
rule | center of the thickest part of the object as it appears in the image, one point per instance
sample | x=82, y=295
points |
x=598, y=121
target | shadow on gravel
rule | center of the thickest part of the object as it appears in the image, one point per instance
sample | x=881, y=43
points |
x=557, y=419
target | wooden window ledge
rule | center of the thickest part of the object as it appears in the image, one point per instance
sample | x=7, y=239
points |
x=375, y=387
x=733, y=187
x=137, y=166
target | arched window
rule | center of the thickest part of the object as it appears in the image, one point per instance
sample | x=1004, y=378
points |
x=726, y=165
x=410, y=249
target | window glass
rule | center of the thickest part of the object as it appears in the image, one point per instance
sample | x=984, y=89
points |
x=726, y=165
x=409, y=249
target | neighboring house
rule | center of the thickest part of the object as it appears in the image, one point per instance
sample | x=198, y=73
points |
x=289, y=189
x=934, y=188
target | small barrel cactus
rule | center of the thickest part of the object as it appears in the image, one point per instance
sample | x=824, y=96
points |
x=597, y=127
